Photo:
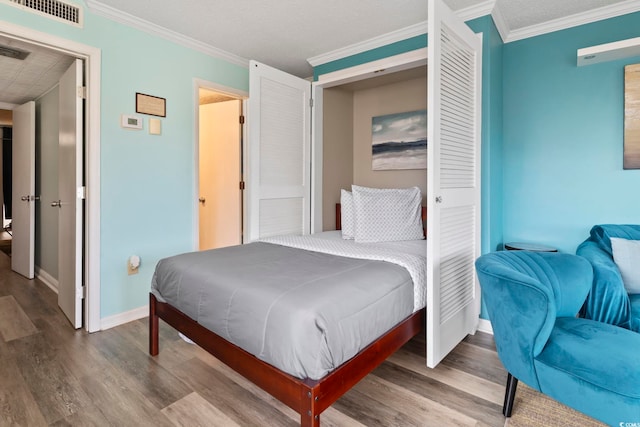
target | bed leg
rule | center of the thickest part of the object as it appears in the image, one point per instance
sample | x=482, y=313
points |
x=153, y=327
x=309, y=415
x=307, y=420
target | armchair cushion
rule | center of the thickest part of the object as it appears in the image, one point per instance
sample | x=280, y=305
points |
x=590, y=352
x=591, y=366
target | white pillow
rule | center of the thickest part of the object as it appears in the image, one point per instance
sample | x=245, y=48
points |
x=387, y=215
x=626, y=254
x=346, y=214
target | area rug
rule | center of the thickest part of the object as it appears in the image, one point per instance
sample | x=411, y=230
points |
x=534, y=409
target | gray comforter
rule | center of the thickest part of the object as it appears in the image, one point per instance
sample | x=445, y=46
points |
x=304, y=312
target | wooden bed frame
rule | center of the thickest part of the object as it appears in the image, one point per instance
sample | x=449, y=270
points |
x=307, y=397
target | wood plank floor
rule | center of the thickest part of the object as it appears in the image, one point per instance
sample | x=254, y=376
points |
x=53, y=375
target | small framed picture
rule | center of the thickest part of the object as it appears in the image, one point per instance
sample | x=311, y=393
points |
x=152, y=105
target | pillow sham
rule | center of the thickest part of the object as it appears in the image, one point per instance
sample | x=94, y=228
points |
x=346, y=214
x=387, y=214
x=626, y=254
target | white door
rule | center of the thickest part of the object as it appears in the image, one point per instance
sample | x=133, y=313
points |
x=23, y=166
x=453, y=224
x=71, y=194
x=220, y=222
x=279, y=153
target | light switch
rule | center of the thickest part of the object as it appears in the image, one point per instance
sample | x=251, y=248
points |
x=155, y=127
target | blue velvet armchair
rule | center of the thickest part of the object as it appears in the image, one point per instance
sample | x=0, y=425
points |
x=532, y=300
x=608, y=300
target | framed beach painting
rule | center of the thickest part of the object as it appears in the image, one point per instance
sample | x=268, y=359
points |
x=631, y=117
x=399, y=141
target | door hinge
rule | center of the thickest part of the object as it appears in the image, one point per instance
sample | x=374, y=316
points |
x=242, y=185
x=84, y=292
x=82, y=92
x=81, y=193
x=241, y=120
x=311, y=102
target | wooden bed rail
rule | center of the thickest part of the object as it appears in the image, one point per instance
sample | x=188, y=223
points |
x=307, y=397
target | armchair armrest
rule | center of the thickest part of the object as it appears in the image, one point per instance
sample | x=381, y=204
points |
x=524, y=292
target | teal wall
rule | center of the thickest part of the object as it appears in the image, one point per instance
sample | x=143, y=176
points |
x=563, y=137
x=147, y=182
x=492, y=125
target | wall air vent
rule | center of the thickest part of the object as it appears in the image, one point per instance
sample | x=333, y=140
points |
x=56, y=9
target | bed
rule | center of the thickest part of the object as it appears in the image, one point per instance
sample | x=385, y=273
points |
x=307, y=363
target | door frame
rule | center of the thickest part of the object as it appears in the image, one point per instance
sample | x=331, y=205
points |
x=229, y=91
x=92, y=60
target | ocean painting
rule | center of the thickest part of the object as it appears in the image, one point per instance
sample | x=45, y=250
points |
x=399, y=141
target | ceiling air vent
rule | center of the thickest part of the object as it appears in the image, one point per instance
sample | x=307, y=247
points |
x=12, y=52
x=59, y=10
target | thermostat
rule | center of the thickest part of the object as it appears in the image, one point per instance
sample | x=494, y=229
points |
x=131, y=122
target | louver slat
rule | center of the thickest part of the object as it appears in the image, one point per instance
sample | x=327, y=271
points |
x=458, y=149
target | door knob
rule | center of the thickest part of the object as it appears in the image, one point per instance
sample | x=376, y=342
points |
x=56, y=203
x=25, y=198
x=202, y=200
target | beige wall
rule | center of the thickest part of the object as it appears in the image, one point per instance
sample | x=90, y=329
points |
x=347, y=139
x=409, y=95
x=337, y=143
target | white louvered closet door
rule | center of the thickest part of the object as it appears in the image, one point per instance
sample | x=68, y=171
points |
x=278, y=158
x=454, y=122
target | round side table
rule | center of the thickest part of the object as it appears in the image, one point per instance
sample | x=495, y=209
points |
x=520, y=246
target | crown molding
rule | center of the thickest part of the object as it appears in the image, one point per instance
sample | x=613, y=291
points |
x=116, y=15
x=500, y=23
x=594, y=15
x=376, y=42
x=476, y=11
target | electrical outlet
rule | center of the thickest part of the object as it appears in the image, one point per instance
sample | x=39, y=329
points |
x=131, y=269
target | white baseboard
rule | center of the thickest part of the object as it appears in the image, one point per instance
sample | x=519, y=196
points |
x=47, y=279
x=122, y=318
x=485, y=326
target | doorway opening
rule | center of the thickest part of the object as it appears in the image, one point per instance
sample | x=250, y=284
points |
x=220, y=169
x=87, y=262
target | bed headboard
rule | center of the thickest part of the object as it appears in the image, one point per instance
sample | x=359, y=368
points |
x=339, y=217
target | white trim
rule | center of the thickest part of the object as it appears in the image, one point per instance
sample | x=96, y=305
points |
x=92, y=57
x=376, y=42
x=583, y=18
x=317, y=119
x=484, y=325
x=126, y=317
x=7, y=106
x=476, y=11
x=500, y=23
x=387, y=65
x=124, y=18
x=47, y=279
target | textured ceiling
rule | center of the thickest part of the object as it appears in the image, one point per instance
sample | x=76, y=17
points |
x=280, y=33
